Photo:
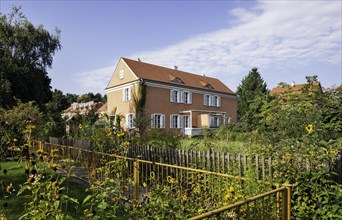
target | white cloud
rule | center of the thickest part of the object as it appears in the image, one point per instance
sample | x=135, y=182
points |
x=94, y=80
x=272, y=35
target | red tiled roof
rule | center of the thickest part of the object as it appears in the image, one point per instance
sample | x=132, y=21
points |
x=83, y=107
x=296, y=88
x=167, y=75
x=103, y=108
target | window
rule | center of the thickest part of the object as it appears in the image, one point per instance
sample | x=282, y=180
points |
x=212, y=100
x=186, y=120
x=214, y=122
x=208, y=86
x=175, y=121
x=177, y=80
x=178, y=96
x=130, y=120
x=216, y=101
x=227, y=120
x=174, y=96
x=158, y=121
x=207, y=100
x=187, y=97
x=126, y=94
x=122, y=74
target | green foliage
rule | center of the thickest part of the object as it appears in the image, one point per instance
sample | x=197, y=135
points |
x=141, y=118
x=55, y=125
x=315, y=196
x=252, y=86
x=201, y=193
x=160, y=138
x=14, y=124
x=87, y=97
x=103, y=202
x=284, y=118
x=26, y=53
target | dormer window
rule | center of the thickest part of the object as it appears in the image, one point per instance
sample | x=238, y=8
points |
x=209, y=86
x=177, y=80
x=206, y=85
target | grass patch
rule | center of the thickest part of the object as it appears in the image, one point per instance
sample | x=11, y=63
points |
x=13, y=206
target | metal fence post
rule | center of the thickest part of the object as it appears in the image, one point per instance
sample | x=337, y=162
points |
x=136, y=179
x=278, y=202
x=287, y=201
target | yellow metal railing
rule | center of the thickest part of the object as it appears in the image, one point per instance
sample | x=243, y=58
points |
x=140, y=176
x=251, y=210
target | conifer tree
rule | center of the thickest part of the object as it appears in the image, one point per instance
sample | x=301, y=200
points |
x=249, y=92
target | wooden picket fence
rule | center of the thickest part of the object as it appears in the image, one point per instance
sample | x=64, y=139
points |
x=234, y=164
x=138, y=176
x=220, y=162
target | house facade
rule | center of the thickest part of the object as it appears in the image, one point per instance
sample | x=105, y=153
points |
x=175, y=100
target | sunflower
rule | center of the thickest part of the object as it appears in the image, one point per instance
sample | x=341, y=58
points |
x=309, y=128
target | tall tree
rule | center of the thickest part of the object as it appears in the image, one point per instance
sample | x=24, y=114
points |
x=26, y=52
x=250, y=90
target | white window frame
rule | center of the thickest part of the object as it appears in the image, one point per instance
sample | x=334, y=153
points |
x=186, y=121
x=174, y=95
x=130, y=120
x=187, y=97
x=126, y=94
x=180, y=96
x=215, y=122
x=161, y=119
x=207, y=99
x=212, y=100
x=175, y=121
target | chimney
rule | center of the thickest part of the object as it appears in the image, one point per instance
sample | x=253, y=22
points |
x=139, y=59
x=293, y=83
x=175, y=67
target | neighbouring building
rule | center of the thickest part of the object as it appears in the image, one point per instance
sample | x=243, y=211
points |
x=81, y=108
x=175, y=100
x=294, y=88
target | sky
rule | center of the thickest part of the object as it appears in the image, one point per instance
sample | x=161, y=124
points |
x=285, y=40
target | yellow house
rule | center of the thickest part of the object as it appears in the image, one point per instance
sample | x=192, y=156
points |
x=175, y=100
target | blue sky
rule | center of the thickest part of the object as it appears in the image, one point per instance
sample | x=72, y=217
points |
x=286, y=40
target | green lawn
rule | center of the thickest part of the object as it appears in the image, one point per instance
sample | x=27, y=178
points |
x=16, y=204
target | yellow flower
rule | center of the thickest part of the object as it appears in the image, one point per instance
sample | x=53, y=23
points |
x=309, y=128
x=80, y=126
x=120, y=134
x=231, y=189
x=144, y=184
x=227, y=196
x=10, y=188
x=335, y=152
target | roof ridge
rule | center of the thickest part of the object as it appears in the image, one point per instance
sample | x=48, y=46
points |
x=177, y=70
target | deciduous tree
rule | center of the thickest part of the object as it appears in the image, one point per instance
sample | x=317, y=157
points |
x=26, y=52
